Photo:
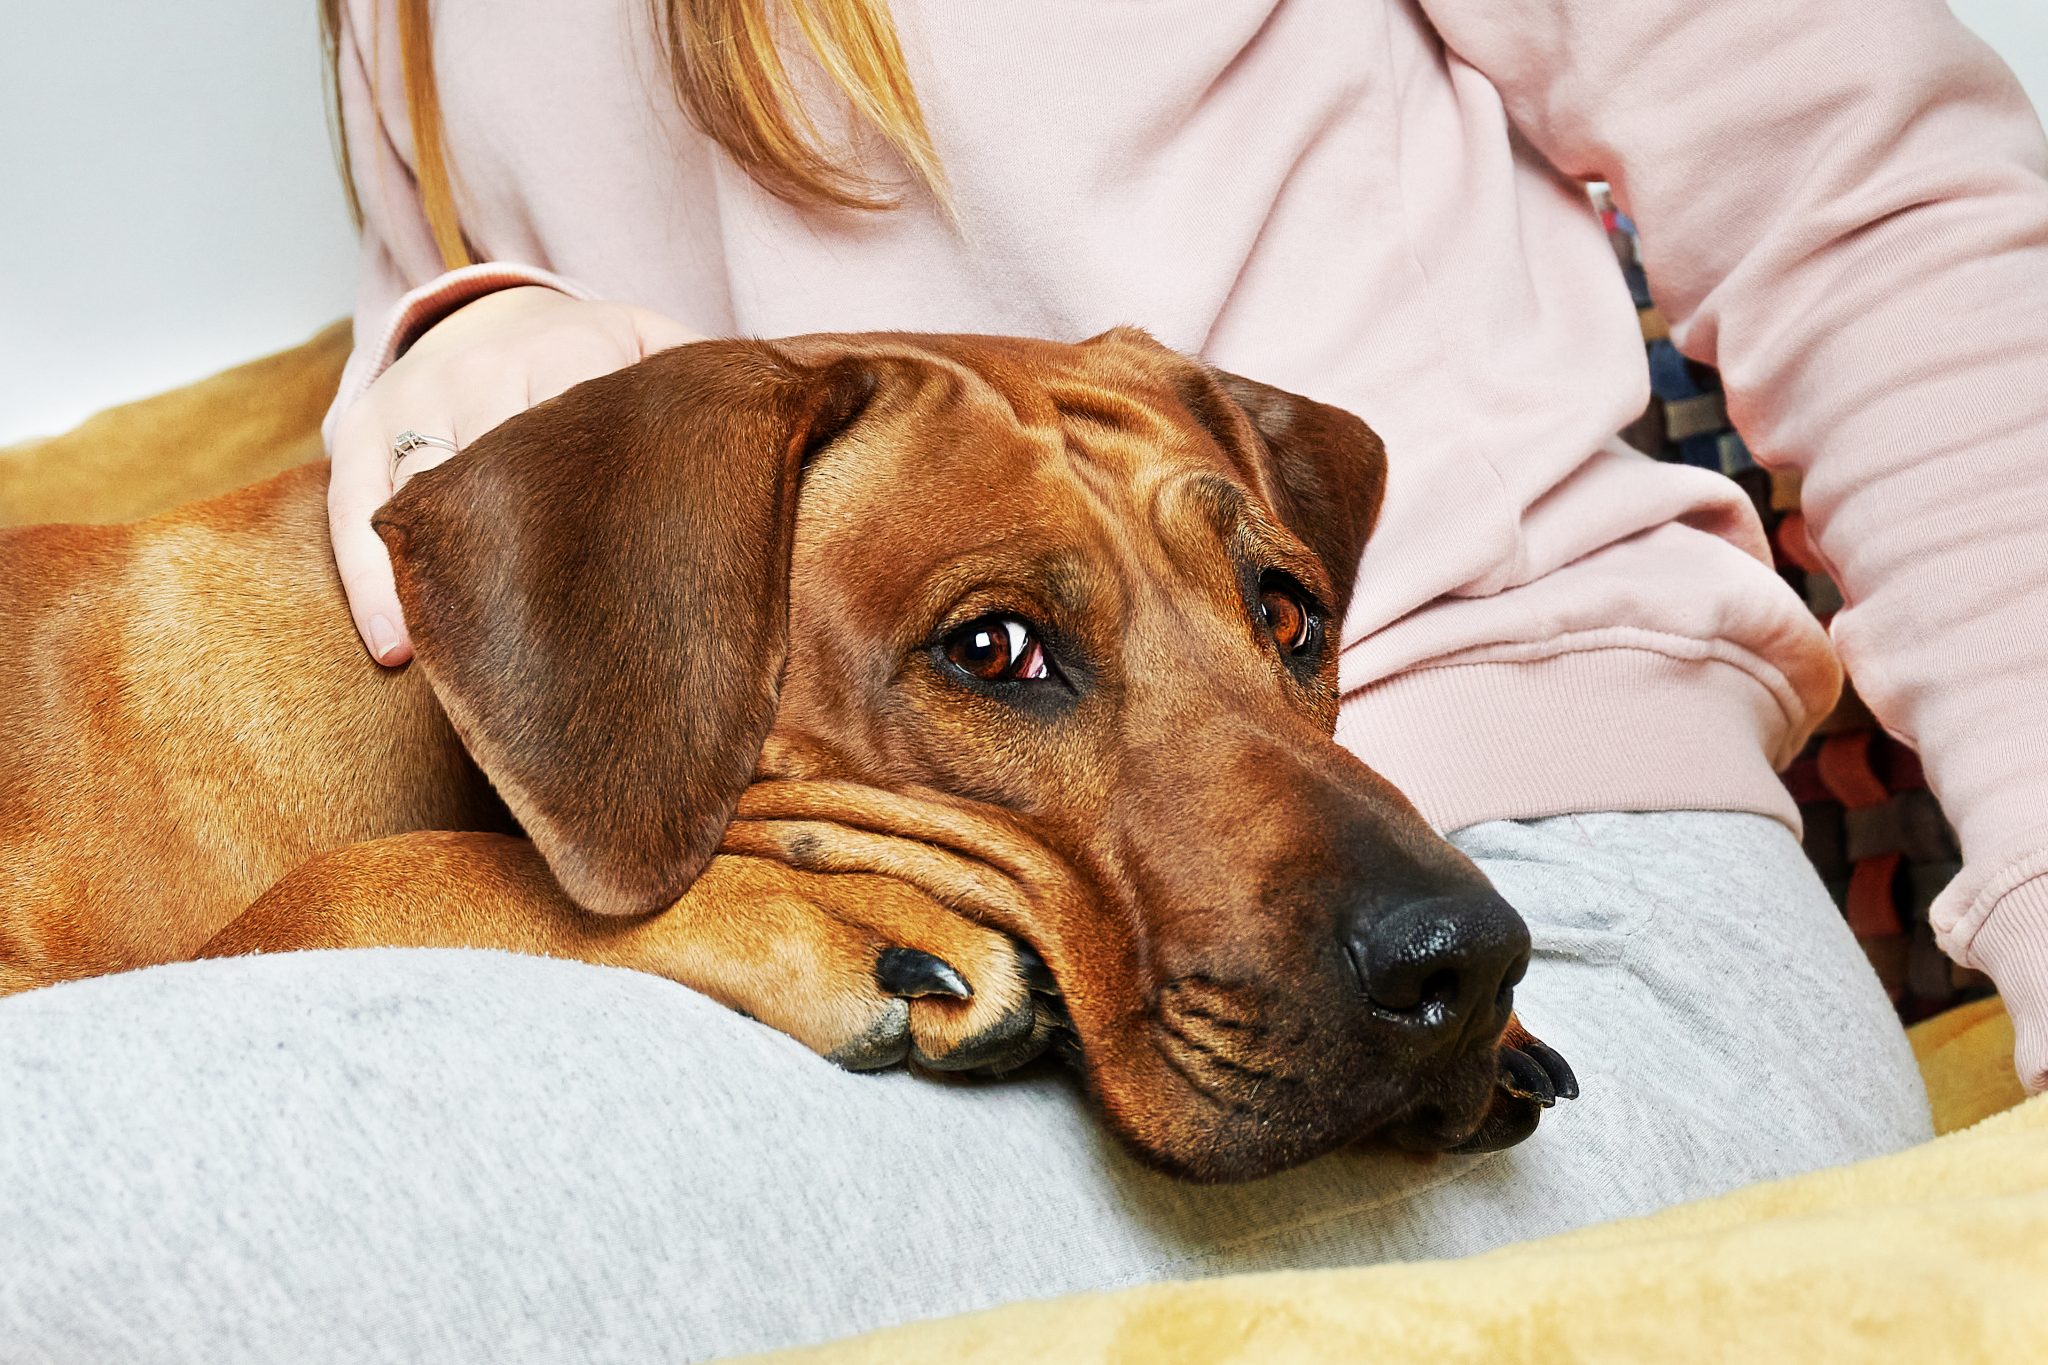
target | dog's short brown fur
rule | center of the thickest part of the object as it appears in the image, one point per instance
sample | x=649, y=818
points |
x=666, y=713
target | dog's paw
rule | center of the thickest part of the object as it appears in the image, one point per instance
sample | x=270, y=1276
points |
x=865, y=970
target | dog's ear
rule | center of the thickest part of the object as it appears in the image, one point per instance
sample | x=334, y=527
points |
x=599, y=592
x=1323, y=468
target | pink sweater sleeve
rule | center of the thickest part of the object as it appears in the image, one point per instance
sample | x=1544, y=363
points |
x=402, y=288
x=1843, y=208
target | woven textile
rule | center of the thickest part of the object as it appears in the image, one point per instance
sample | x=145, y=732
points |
x=1873, y=830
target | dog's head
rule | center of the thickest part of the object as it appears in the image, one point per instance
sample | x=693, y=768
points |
x=1080, y=603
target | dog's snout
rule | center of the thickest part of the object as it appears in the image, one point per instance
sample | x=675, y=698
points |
x=1445, y=965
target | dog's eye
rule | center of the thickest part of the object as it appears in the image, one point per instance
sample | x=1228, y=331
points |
x=997, y=649
x=1288, y=615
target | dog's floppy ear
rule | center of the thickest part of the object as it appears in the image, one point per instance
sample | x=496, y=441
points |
x=1324, y=469
x=599, y=592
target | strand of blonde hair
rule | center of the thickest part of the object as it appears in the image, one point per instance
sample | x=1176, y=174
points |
x=730, y=77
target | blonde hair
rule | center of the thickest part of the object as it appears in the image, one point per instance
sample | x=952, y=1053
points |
x=730, y=78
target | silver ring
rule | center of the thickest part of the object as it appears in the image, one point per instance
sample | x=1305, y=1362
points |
x=408, y=441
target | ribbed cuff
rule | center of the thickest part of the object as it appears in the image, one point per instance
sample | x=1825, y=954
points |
x=1598, y=729
x=413, y=314
x=2011, y=945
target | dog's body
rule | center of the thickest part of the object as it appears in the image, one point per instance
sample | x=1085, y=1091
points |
x=1040, y=663
x=187, y=720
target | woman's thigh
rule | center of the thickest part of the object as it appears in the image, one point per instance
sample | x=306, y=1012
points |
x=469, y=1156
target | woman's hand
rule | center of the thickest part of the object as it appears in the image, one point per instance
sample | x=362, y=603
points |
x=487, y=361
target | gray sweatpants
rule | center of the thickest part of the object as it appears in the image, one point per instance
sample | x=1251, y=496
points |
x=452, y=1157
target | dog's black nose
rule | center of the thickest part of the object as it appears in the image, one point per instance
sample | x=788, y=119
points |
x=1444, y=964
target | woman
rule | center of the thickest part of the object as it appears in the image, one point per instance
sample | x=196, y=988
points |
x=1369, y=201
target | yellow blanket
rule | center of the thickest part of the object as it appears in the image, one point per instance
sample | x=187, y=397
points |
x=1935, y=1255
x=145, y=457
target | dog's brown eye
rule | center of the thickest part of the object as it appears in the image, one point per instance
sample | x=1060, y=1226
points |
x=1287, y=616
x=997, y=649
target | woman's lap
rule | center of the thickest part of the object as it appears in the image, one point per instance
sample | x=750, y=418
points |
x=457, y=1156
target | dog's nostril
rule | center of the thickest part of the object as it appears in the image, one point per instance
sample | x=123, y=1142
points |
x=1443, y=964
x=1440, y=988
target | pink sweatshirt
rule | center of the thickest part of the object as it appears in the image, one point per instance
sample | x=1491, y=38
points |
x=1844, y=206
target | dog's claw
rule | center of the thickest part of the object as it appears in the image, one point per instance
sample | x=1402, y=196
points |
x=1525, y=1078
x=1037, y=975
x=1562, y=1081
x=910, y=972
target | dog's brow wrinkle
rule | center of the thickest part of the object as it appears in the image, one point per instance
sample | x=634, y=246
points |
x=961, y=381
x=1222, y=503
x=1027, y=405
x=1064, y=577
x=1102, y=408
x=1224, y=500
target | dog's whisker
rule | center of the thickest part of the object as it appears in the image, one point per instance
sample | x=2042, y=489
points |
x=1244, y=1070
x=1205, y=1087
x=1208, y=997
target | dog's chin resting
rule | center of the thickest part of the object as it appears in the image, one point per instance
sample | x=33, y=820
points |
x=1187, y=1106
x=928, y=698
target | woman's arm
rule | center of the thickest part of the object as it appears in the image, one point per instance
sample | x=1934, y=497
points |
x=403, y=287
x=1844, y=207
x=448, y=353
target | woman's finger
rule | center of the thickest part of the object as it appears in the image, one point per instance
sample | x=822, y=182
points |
x=358, y=483
x=448, y=433
x=483, y=408
x=658, y=333
x=567, y=365
x=419, y=462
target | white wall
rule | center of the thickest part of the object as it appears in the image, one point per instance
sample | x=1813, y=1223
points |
x=2019, y=30
x=168, y=199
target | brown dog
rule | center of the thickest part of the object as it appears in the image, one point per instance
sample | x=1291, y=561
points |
x=854, y=681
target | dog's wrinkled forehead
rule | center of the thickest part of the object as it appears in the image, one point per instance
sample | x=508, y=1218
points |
x=954, y=398
x=1056, y=461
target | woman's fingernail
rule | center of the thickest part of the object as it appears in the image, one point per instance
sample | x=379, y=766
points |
x=383, y=639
